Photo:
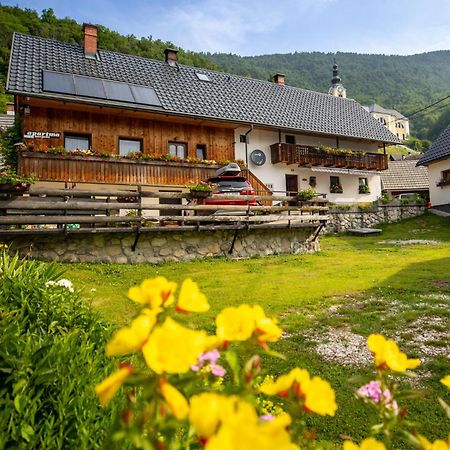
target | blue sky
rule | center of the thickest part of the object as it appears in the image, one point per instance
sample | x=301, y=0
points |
x=254, y=27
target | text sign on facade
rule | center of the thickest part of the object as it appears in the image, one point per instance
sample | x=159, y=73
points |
x=41, y=134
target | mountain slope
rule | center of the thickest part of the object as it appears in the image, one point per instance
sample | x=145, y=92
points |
x=405, y=83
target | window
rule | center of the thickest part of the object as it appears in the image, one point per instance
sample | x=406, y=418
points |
x=290, y=139
x=76, y=142
x=200, y=151
x=445, y=178
x=363, y=181
x=335, y=185
x=129, y=146
x=313, y=182
x=178, y=149
x=243, y=138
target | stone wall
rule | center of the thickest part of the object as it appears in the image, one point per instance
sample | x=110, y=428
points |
x=341, y=220
x=158, y=247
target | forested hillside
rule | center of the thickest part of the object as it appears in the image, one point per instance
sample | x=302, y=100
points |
x=49, y=26
x=405, y=83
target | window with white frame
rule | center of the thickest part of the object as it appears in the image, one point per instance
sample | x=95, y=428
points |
x=77, y=142
x=178, y=149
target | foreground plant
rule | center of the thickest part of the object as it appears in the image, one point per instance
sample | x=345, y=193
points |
x=189, y=389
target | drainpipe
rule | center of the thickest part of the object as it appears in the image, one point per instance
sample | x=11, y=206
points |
x=246, y=145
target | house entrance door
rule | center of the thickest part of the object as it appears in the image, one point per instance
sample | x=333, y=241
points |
x=291, y=186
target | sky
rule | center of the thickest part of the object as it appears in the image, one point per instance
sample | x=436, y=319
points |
x=256, y=27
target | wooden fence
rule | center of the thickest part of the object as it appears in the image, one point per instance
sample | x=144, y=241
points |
x=47, y=211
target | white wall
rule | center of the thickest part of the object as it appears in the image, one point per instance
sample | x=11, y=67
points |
x=275, y=173
x=439, y=195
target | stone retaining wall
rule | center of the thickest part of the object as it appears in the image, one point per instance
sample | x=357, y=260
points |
x=341, y=220
x=160, y=247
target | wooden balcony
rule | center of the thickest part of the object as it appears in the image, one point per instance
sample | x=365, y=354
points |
x=307, y=156
x=77, y=169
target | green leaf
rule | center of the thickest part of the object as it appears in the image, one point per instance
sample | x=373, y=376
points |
x=233, y=361
x=445, y=406
x=26, y=432
x=275, y=354
x=20, y=402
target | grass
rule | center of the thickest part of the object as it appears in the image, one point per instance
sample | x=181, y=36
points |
x=360, y=284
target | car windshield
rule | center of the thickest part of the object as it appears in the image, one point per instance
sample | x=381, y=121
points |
x=231, y=184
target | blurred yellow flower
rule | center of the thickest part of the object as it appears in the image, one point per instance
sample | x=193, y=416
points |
x=154, y=292
x=366, y=444
x=446, y=381
x=388, y=355
x=132, y=338
x=318, y=396
x=235, y=324
x=439, y=444
x=178, y=405
x=191, y=299
x=173, y=348
x=108, y=388
x=266, y=328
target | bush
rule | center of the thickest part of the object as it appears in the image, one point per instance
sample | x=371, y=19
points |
x=51, y=349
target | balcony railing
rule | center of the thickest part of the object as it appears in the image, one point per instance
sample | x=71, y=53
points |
x=307, y=156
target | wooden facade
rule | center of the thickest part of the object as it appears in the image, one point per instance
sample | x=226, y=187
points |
x=104, y=128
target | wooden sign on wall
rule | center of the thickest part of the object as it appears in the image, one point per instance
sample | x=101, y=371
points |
x=41, y=134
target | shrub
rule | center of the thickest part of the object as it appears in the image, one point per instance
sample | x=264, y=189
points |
x=51, y=349
x=306, y=194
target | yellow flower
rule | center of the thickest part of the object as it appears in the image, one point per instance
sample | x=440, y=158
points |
x=108, y=388
x=155, y=292
x=388, y=355
x=235, y=324
x=173, y=348
x=366, y=444
x=241, y=430
x=191, y=299
x=177, y=403
x=132, y=338
x=206, y=411
x=320, y=397
x=267, y=329
x=446, y=381
x=439, y=444
x=317, y=394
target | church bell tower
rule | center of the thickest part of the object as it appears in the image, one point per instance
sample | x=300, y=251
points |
x=337, y=89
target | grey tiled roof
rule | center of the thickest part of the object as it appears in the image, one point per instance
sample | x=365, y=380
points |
x=227, y=97
x=379, y=109
x=440, y=149
x=6, y=121
x=404, y=176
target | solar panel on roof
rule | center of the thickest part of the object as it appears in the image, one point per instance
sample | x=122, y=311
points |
x=202, y=76
x=58, y=82
x=118, y=91
x=89, y=87
x=145, y=95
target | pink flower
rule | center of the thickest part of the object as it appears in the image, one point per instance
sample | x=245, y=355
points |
x=210, y=357
x=371, y=391
x=217, y=370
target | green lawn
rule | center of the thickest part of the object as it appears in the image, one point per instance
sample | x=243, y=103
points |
x=353, y=287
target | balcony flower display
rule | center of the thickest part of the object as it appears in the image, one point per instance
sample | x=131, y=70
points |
x=306, y=195
x=201, y=189
x=364, y=189
x=336, y=189
x=11, y=182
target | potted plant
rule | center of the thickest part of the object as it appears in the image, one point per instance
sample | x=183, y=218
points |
x=201, y=189
x=336, y=189
x=364, y=189
x=306, y=195
x=12, y=183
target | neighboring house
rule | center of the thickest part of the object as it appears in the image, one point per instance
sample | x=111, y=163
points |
x=405, y=177
x=437, y=161
x=7, y=120
x=395, y=122
x=82, y=97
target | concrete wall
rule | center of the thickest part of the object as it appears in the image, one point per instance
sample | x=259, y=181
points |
x=439, y=195
x=160, y=247
x=274, y=174
x=354, y=218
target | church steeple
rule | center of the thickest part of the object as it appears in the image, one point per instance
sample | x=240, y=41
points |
x=337, y=89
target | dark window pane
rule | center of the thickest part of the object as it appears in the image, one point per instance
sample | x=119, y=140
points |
x=89, y=87
x=290, y=139
x=58, y=82
x=145, y=95
x=118, y=91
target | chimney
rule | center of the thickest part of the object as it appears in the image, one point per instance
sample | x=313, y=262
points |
x=10, y=109
x=171, y=56
x=279, y=78
x=90, y=40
